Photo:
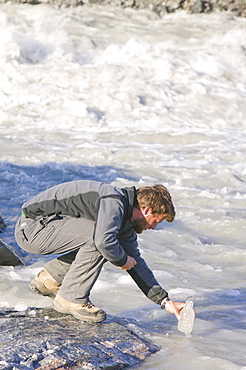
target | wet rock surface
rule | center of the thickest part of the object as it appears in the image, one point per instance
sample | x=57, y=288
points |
x=45, y=339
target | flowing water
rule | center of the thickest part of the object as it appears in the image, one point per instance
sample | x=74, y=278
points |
x=128, y=98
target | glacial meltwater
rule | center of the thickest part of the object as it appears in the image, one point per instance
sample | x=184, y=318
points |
x=128, y=98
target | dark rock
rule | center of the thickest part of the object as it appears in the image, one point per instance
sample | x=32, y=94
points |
x=2, y=223
x=45, y=339
x=8, y=255
x=197, y=7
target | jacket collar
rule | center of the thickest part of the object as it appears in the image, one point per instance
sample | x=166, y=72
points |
x=131, y=194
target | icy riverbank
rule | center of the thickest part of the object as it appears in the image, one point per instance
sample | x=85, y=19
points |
x=161, y=7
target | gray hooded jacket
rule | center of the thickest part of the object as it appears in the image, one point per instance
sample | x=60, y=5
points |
x=111, y=208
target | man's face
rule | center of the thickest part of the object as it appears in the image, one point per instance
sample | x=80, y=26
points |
x=147, y=220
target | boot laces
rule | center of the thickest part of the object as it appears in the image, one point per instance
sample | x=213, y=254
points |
x=88, y=305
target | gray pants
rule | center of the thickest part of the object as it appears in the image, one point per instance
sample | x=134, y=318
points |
x=79, y=268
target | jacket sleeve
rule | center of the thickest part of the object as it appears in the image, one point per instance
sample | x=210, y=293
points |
x=109, y=220
x=142, y=275
x=145, y=280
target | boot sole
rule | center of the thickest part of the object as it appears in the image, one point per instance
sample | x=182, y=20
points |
x=74, y=313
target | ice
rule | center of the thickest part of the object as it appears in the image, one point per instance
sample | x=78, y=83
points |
x=21, y=306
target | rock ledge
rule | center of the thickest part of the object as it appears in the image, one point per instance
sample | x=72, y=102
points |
x=45, y=339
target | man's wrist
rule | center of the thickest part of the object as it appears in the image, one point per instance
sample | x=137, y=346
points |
x=164, y=302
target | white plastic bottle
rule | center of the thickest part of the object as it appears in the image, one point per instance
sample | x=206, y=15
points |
x=185, y=325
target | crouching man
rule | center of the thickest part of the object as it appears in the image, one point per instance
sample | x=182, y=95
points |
x=90, y=223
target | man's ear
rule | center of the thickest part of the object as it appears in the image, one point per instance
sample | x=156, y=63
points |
x=146, y=210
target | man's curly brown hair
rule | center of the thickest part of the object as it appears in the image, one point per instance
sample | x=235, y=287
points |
x=158, y=198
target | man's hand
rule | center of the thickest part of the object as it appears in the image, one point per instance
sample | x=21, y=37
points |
x=174, y=307
x=130, y=263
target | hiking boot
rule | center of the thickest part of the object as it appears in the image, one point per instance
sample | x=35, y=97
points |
x=45, y=284
x=83, y=312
